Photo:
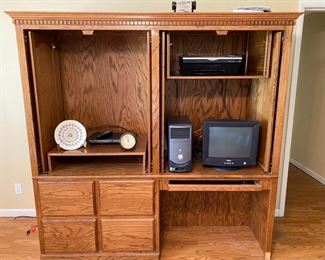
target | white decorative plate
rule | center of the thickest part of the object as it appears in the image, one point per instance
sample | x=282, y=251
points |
x=70, y=135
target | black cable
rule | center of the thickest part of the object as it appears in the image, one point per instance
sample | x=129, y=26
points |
x=223, y=96
x=14, y=218
x=107, y=126
x=176, y=97
x=116, y=126
x=197, y=144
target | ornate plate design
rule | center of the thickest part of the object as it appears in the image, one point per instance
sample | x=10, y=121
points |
x=70, y=135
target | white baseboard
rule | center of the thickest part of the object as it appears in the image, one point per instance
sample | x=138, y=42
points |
x=17, y=212
x=310, y=172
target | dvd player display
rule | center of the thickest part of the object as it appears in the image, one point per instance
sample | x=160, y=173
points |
x=212, y=65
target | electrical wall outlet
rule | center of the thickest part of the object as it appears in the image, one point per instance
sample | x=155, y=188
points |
x=18, y=189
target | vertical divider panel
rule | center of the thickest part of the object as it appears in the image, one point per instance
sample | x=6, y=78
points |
x=155, y=94
x=29, y=101
x=157, y=214
x=149, y=151
x=263, y=104
x=258, y=53
x=99, y=238
x=281, y=99
x=163, y=100
x=48, y=91
x=267, y=53
x=258, y=216
x=168, y=53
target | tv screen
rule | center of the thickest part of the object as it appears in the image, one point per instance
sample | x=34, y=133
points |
x=230, y=143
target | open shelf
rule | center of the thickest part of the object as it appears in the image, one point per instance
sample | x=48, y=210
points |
x=82, y=77
x=245, y=97
x=99, y=166
x=206, y=224
x=214, y=242
x=214, y=77
x=103, y=150
x=253, y=45
x=99, y=160
x=200, y=171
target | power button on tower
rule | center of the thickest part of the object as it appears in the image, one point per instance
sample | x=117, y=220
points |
x=180, y=157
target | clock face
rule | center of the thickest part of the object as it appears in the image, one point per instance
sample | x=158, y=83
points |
x=128, y=141
x=70, y=135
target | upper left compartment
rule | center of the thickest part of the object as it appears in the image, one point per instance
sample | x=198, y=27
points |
x=101, y=80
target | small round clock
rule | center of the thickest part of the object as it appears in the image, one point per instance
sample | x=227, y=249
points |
x=70, y=135
x=128, y=140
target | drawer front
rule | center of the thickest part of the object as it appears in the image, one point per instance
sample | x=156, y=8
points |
x=66, y=199
x=128, y=235
x=69, y=236
x=127, y=198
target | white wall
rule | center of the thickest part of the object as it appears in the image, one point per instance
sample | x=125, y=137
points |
x=308, y=137
x=14, y=162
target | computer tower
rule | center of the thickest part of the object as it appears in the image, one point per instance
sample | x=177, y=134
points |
x=179, y=144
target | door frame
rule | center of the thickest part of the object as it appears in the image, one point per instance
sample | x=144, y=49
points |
x=304, y=6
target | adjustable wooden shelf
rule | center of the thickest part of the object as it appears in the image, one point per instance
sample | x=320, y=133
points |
x=122, y=69
x=104, y=158
x=255, y=46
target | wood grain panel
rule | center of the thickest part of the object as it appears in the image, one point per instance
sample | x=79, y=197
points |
x=282, y=100
x=127, y=198
x=127, y=235
x=105, y=79
x=47, y=89
x=149, y=118
x=66, y=198
x=204, y=44
x=29, y=102
x=270, y=217
x=263, y=104
x=258, y=215
x=155, y=100
x=69, y=235
x=258, y=52
x=202, y=100
x=204, y=208
x=182, y=243
x=163, y=103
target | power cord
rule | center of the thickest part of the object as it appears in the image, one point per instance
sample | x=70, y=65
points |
x=223, y=96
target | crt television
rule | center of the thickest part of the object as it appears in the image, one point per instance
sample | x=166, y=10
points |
x=230, y=143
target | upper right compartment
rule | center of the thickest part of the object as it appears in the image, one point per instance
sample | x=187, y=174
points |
x=224, y=54
x=250, y=94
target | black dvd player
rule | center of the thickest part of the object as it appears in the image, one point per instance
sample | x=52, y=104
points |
x=212, y=65
x=106, y=137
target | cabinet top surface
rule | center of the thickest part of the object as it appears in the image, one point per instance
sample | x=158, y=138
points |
x=155, y=19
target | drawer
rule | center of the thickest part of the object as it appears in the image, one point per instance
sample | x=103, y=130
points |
x=69, y=235
x=66, y=199
x=128, y=235
x=127, y=198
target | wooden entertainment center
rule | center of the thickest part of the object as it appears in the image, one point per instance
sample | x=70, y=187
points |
x=101, y=202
